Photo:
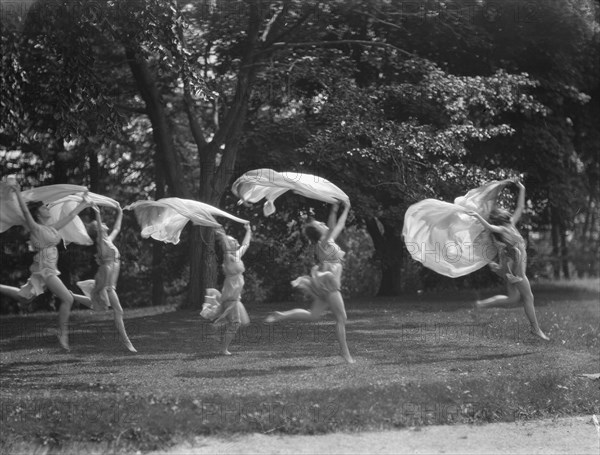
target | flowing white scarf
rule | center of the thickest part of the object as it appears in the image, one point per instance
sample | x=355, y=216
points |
x=269, y=184
x=165, y=219
x=61, y=199
x=445, y=239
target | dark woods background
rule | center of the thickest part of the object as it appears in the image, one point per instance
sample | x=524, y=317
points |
x=392, y=101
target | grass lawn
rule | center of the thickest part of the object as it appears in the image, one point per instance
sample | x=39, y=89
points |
x=421, y=360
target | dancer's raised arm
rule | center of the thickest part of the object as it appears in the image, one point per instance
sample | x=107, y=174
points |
x=117, y=227
x=340, y=224
x=332, y=220
x=71, y=216
x=520, y=203
x=246, y=242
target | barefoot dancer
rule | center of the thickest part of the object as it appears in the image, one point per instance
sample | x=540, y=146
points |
x=325, y=281
x=512, y=266
x=101, y=292
x=234, y=314
x=43, y=239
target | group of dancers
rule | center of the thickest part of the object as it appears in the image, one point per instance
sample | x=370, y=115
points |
x=474, y=219
x=44, y=238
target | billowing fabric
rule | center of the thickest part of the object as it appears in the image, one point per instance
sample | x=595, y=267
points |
x=211, y=309
x=11, y=214
x=98, y=199
x=444, y=238
x=269, y=184
x=227, y=304
x=165, y=219
x=219, y=308
x=75, y=231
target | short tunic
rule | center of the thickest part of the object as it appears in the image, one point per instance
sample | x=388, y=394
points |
x=42, y=240
x=512, y=256
x=231, y=294
x=325, y=277
x=109, y=265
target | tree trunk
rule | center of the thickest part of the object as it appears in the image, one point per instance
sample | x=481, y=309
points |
x=203, y=265
x=167, y=156
x=94, y=168
x=555, y=243
x=214, y=179
x=389, y=249
x=564, y=252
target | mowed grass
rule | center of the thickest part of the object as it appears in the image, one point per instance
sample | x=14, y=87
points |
x=420, y=360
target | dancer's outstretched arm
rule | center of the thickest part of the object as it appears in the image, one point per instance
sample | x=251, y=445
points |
x=98, y=214
x=71, y=216
x=332, y=220
x=117, y=227
x=520, y=204
x=341, y=223
x=246, y=242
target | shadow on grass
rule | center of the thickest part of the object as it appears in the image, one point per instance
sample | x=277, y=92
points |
x=242, y=372
x=417, y=363
x=437, y=358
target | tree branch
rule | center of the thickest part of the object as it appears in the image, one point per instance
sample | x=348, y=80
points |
x=335, y=43
x=189, y=102
x=265, y=34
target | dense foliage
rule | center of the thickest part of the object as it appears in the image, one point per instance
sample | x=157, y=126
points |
x=392, y=101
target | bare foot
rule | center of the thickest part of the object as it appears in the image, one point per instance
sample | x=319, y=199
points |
x=225, y=352
x=63, y=340
x=273, y=317
x=349, y=359
x=538, y=332
x=129, y=346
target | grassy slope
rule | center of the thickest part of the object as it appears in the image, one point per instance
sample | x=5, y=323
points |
x=422, y=360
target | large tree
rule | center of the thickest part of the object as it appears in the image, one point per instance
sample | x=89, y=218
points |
x=367, y=93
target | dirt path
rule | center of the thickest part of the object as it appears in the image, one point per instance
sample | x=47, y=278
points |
x=576, y=435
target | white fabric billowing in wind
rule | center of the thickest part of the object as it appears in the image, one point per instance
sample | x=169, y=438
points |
x=98, y=199
x=12, y=215
x=445, y=239
x=75, y=231
x=269, y=184
x=165, y=219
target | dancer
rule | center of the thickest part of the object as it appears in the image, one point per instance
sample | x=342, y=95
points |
x=233, y=313
x=43, y=239
x=101, y=292
x=325, y=281
x=512, y=260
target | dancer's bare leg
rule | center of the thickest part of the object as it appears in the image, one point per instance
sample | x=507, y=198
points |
x=512, y=298
x=524, y=288
x=83, y=300
x=58, y=288
x=230, y=330
x=336, y=304
x=13, y=293
x=299, y=314
x=118, y=313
